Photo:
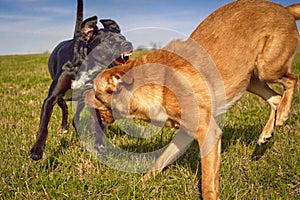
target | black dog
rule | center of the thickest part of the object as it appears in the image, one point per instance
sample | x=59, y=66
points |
x=90, y=48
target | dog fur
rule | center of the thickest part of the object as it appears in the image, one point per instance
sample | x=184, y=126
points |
x=252, y=43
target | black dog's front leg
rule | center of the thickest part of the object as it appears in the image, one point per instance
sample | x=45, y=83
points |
x=57, y=89
x=76, y=117
x=99, y=130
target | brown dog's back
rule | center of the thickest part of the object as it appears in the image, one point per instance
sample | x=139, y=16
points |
x=237, y=33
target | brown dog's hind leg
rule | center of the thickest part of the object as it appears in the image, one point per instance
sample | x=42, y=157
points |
x=273, y=66
x=261, y=89
x=289, y=82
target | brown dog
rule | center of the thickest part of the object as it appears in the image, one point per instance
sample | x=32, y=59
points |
x=251, y=43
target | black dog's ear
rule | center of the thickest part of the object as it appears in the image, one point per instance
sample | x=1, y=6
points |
x=88, y=28
x=110, y=24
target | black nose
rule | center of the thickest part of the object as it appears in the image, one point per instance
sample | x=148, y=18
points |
x=127, y=46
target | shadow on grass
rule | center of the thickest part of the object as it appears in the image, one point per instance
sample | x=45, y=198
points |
x=247, y=136
x=261, y=149
x=231, y=137
x=65, y=142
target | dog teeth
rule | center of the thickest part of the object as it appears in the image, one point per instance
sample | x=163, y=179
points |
x=126, y=54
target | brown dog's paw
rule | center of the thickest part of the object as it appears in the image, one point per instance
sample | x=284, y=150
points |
x=150, y=175
x=264, y=139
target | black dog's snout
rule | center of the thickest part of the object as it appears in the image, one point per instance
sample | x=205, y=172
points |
x=127, y=46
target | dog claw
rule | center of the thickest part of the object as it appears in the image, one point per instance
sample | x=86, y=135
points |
x=99, y=148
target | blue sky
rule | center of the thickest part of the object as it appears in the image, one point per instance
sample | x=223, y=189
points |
x=35, y=26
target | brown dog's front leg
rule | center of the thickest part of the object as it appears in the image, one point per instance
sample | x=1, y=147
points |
x=177, y=146
x=210, y=172
x=209, y=139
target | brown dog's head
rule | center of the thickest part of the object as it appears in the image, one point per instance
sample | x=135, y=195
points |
x=91, y=101
x=107, y=87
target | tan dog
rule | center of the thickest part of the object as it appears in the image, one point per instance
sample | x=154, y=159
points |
x=251, y=43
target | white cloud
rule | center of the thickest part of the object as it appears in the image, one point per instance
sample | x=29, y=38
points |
x=27, y=1
x=56, y=10
x=33, y=25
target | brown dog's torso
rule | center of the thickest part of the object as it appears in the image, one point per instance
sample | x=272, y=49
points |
x=215, y=65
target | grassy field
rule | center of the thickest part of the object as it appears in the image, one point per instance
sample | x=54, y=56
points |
x=69, y=171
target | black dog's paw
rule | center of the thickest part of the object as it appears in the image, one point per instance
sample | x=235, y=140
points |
x=36, y=153
x=99, y=148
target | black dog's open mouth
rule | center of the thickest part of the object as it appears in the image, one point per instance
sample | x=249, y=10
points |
x=123, y=58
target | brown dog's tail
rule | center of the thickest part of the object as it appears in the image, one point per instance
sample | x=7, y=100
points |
x=294, y=10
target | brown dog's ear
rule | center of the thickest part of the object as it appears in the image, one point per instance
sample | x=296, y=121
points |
x=88, y=28
x=112, y=83
x=122, y=78
x=116, y=79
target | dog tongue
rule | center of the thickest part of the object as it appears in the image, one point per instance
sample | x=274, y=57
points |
x=120, y=61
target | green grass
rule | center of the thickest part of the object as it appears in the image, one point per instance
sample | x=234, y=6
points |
x=69, y=171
